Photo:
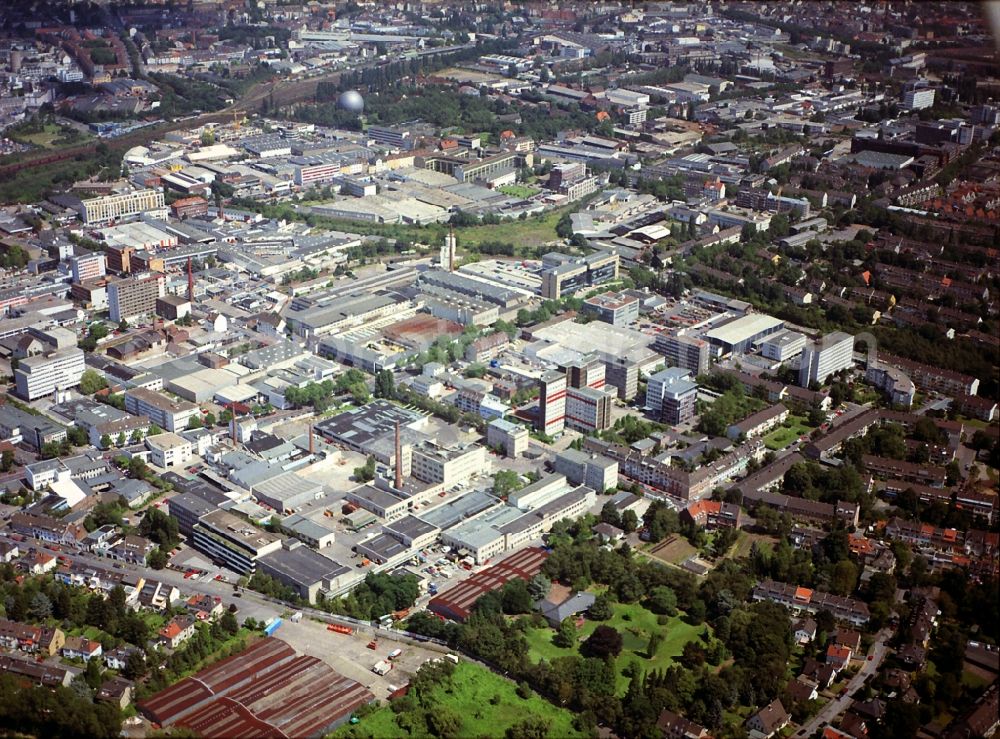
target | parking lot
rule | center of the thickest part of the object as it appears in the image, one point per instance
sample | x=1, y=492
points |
x=350, y=656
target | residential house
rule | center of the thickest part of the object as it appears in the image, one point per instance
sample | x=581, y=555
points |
x=768, y=721
x=802, y=690
x=804, y=630
x=132, y=549
x=674, y=726
x=838, y=656
x=117, y=658
x=205, y=607
x=78, y=647
x=177, y=631
x=561, y=603
x=117, y=690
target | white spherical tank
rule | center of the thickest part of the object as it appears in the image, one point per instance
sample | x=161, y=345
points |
x=351, y=100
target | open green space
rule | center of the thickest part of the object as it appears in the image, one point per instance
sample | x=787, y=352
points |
x=533, y=231
x=487, y=704
x=518, y=191
x=788, y=432
x=636, y=625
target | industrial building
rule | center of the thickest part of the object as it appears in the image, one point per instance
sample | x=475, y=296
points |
x=456, y=603
x=265, y=690
x=305, y=570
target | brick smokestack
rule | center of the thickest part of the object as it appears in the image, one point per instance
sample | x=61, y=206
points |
x=399, y=459
x=312, y=450
x=232, y=411
x=190, y=282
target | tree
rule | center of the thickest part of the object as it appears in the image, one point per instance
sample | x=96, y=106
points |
x=194, y=422
x=844, y=578
x=630, y=521
x=538, y=586
x=532, y=727
x=135, y=665
x=515, y=597
x=209, y=420
x=229, y=624
x=123, y=325
x=105, y=441
x=610, y=515
x=506, y=482
x=7, y=460
x=136, y=436
x=385, y=384
x=601, y=610
x=565, y=636
x=91, y=381
x=655, y=640
x=663, y=600
x=366, y=473
x=445, y=722
x=604, y=642
x=157, y=559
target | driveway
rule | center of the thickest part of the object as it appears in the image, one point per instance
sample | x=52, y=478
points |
x=832, y=710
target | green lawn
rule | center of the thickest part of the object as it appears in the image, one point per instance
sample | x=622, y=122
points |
x=518, y=191
x=784, y=435
x=635, y=624
x=469, y=695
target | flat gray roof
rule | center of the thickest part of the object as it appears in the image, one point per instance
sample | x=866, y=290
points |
x=303, y=565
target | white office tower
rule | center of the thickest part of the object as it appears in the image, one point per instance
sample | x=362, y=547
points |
x=820, y=359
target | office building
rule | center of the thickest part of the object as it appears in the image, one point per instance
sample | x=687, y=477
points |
x=434, y=464
x=783, y=346
x=100, y=210
x=511, y=437
x=88, y=266
x=315, y=170
x=587, y=372
x=168, y=450
x=397, y=138
x=564, y=274
x=617, y=309
x=172, y=415
x=918, y=99
x=587, y=409
x=552, y=403
x=582, y=468
x=232, y=541
x=135, y=297
x=686, y=352
x=828, y=356
x=41, y=375
x=671, y=394
x=623, y=375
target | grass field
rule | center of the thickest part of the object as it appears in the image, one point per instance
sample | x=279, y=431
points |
x=635, y=624
x=784, y=435
x=518, y=191
x=746, y=541
x=674, y=550
x=527, y=233
x=471, y=695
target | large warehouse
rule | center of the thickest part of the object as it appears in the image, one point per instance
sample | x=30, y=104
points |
x=739, y=335
x=267, y=690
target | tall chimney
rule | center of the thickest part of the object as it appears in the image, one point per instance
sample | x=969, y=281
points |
x=399, y=459
x=311, y=448
x=232, y=411
x=190, y=283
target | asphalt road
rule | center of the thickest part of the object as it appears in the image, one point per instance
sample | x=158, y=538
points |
x=832, y=710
